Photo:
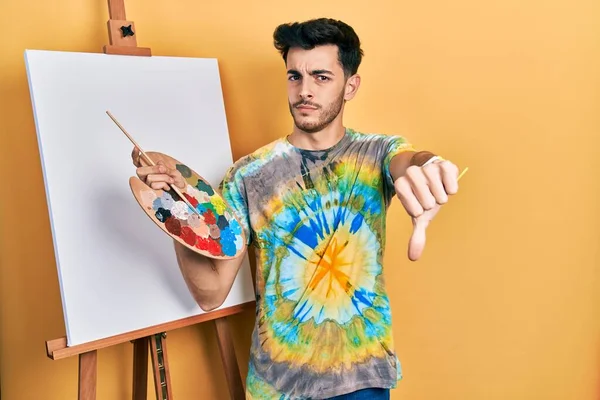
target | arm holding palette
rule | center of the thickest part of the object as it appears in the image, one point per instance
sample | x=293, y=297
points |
x=209, y=280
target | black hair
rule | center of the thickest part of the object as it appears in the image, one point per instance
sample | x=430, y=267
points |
x=318, y=32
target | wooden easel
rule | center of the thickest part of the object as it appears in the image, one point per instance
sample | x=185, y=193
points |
x=123, y=41
x=152, y=338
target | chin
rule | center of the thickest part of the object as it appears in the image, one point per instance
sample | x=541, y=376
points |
x=307, y=124
x=309, y=128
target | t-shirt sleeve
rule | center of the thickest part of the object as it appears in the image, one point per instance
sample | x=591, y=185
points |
x=392, y=146
x=233, y=191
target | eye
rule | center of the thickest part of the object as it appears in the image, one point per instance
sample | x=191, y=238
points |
x=293, y=77
x=322, y=78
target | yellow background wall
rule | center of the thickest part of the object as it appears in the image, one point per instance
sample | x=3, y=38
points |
x=504, y=304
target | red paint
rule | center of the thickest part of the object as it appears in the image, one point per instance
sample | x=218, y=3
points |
x=202, y=243
x=214, y=247
x=173, y=226
x=188, y=235
x=191, y=199
x=209, y=217
x=210, y=245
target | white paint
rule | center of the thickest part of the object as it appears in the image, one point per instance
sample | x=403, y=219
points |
x=119, y=273
x=181, y=210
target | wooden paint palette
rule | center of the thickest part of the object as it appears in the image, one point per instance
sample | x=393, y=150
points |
x=210, y=229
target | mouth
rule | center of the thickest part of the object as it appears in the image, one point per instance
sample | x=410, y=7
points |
x=306, y=108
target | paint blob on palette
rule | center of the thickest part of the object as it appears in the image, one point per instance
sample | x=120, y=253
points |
x=213, y=230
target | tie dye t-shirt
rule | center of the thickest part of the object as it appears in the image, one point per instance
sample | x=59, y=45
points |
x=317, y=220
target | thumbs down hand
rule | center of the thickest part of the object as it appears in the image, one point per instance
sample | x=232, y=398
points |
x=422, y=191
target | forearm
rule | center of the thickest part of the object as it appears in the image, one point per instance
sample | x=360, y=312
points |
x=208, y=280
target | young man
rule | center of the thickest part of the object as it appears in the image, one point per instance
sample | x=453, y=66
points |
x=313, y=204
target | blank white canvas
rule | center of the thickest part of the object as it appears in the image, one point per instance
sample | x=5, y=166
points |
x=117, y=270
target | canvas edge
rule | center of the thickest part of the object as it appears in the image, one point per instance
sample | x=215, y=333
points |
x=28, y=69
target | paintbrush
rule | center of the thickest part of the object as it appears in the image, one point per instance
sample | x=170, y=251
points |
x=149, y=161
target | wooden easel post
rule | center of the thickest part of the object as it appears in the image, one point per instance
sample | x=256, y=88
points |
x=123, y=41
x=160, y=367
x=88, y=371
x=140, y=368
x=230, y=364
x=121, y=32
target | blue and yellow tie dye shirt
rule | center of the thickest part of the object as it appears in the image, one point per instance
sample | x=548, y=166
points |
x=317, y=220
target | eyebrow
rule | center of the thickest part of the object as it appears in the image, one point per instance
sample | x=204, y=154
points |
x=313, y=72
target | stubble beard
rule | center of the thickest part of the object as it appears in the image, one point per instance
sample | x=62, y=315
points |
x=326, y=115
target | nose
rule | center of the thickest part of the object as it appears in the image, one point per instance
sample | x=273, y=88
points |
x=306, y=90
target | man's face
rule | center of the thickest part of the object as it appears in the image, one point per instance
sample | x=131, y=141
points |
x=317, y=87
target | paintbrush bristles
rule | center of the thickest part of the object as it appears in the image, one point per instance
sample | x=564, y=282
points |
x=149, y=161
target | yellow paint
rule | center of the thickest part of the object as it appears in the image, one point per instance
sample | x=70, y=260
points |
x=503, y=305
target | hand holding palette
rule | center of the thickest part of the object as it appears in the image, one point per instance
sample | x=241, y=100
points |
x=210, y=228
x=197, y=217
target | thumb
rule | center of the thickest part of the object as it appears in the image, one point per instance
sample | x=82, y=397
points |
x=416, y=244
x=142, y=160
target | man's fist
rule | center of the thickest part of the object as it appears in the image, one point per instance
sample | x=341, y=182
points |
x=422, y=191
x=157, y=176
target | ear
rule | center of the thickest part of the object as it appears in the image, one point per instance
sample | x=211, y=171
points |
x=352, y=85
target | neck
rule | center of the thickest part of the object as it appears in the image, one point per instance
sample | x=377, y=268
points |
x=321, y=140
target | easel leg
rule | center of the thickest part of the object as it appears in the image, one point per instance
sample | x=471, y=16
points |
x=230, y=364
x=140, y=368
x=160, y=365
x=88, y=370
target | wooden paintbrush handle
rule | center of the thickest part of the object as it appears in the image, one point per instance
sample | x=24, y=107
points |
x=149, y=161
